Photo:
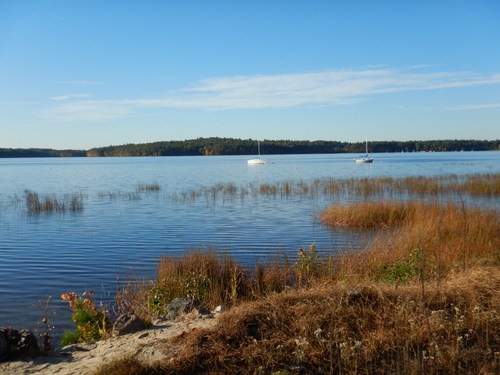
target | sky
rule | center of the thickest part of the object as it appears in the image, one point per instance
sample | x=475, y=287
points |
x=83, y=74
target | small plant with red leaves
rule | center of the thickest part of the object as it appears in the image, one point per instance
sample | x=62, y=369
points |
x=91, y=323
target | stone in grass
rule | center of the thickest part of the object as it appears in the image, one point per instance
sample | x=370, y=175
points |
x=128, y=323
x=17, y=344
x=181, y=306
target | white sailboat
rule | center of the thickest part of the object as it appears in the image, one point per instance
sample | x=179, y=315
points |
x=257, y=160
x=364, y=158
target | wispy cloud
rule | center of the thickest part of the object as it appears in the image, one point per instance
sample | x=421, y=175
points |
x=334, y=87
x=67, y=97
x=462, y=107
x=83, y=82
x=87, y=111
x=469, y=107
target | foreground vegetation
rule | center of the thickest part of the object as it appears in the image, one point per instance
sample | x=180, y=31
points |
x=233, y=146
x=423, y=298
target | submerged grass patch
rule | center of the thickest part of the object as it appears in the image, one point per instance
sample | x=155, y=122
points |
x=50, y=203
x=148, y=187
x=484, y=185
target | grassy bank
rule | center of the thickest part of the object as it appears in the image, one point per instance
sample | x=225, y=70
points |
x=348, y=328
x=423, y=298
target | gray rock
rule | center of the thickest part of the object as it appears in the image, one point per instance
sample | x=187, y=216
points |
x=4, y=344
x=180, y=306
x=128, y=323
x=17, y=344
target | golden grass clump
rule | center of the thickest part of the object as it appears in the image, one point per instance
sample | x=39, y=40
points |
x=202, y=276
x=368, y=214
x=215, y=280
x=431, y=241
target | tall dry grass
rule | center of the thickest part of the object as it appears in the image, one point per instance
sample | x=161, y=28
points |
x=444, y=236
x=363, y=328
x=215, y=280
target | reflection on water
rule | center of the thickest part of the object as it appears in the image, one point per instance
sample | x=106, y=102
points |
x=121, y=232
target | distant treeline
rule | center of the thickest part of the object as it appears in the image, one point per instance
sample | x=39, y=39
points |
x=233, y=146
x=38, y=153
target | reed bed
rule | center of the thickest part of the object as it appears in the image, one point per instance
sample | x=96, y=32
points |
x=148, y=187
x=431, y=238
x=113, y=195
x=485, y=185
x=49, y=203
x=369, y=214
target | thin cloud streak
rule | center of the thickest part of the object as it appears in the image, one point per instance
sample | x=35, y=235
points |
x=88, y=111
x=328, y=88
x=82, y=82
x=463, y=107
x=472, y=107
x=67, y=97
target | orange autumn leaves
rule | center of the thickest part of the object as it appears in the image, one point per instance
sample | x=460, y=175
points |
x=76, y=301
x=91, y=323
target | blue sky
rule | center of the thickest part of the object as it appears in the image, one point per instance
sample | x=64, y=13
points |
x=82, y=74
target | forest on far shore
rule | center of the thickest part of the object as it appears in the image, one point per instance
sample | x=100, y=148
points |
x=234, y=146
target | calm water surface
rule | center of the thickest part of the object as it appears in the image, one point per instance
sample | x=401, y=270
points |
x=121, y=233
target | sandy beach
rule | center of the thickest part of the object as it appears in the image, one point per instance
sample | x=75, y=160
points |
x=147, y=346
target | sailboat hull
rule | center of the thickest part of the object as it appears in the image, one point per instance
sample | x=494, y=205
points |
x=256, y=161
x=364, y=160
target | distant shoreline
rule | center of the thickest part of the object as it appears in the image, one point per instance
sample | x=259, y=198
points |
x=233, y=146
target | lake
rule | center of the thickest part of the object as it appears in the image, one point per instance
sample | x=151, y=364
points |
x=122, y=232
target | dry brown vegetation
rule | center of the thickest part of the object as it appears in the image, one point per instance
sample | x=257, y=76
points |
x=422, y=298
x=345, y=328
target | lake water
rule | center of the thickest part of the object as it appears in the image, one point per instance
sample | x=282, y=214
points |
x=121, y=233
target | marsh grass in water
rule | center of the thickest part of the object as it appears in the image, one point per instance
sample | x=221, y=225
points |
x=148, y=187
x=487, y=185
x=113, y=195
x=50, y=203
x=448, y=235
